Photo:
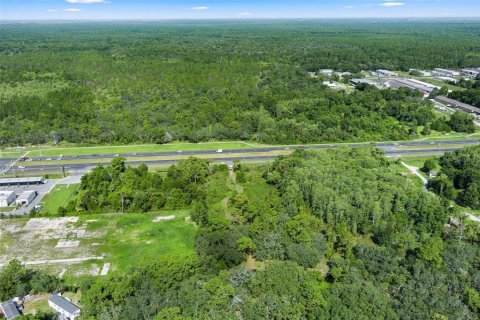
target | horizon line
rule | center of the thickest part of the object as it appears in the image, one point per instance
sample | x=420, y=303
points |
x=239, y=19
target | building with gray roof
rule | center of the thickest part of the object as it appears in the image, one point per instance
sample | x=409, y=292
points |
x=21, y=181
x=64, y=307
x=10, y=309
x=457, y=104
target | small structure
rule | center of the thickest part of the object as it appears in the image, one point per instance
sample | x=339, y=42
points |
x=10, y=309
x=472, y=73
x=328, y=72
x=386, y=73
x=64, y=307
x=6, y=198
x=457, y=104
x=331, y=85
x=445, y=72
x=21, y=181
x=26, y=197
x=433, y=174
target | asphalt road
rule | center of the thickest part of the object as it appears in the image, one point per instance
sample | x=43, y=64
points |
x=391, y=150
x=384, y=145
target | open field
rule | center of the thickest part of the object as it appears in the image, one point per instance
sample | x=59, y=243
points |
x=58, y=197
x=83, y=245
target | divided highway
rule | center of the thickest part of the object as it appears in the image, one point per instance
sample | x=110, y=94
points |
x=392, y=149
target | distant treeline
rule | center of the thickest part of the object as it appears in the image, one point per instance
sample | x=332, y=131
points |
x=158, y=82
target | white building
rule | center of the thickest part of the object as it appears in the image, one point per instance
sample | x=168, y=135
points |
x=386, y=73
x=328, y=72
x=26, y=198
x=331, y=85
x=64, y=307
x=445, y=72
x=470, y=73
x=6, y=198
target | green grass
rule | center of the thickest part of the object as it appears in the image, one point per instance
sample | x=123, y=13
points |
x=132, y=238
x=58, y=197
x=256, y=187
x=418, y=161
x=38, y=304
x=72, y=151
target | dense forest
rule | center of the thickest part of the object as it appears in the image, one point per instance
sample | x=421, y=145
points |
x=199, y=81
x=338, y=234
x=459, y=178
x=118, y=188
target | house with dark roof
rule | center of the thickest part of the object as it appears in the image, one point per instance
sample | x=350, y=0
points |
x=10, y=309
x=64, y=307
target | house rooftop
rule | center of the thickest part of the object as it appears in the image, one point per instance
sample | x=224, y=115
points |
x=64, y=304
x=10, y=309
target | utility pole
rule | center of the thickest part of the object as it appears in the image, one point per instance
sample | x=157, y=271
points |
x=63, y=171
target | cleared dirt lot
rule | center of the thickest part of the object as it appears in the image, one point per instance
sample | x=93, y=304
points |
x=43, y=241
x=94, y=244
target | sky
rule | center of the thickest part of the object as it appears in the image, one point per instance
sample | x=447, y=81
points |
x=236, y=9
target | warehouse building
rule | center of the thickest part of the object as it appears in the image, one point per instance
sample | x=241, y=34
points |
x=448, y=80
x=21, y=181
x=386, y=73
x=445, y=72
x=412, y=84
x=26, y=198
x=470, y=73
x=457, y=104
x=6, y=198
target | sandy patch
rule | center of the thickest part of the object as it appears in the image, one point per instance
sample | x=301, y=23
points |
x=67, y=244
x=162, y=218
x=105, y=269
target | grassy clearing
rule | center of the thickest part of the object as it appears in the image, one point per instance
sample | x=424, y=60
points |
x=256, y=187
x=128, y=239
x=58, y=197
x=39, y=303
x=145, y=148
x=420, y=160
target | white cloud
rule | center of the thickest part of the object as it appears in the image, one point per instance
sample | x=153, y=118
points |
x=392, y=4
x=51, y=10
x=86, y=1
x=199, y=8
x=349, y=7
x=245, y=14
x=72, y=9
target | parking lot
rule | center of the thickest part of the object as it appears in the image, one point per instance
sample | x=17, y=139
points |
x=42, y=190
